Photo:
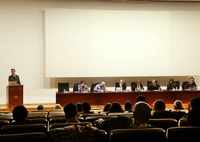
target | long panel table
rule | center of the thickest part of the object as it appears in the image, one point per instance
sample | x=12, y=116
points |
x=97, y=98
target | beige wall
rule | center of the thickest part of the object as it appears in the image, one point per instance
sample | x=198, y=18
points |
x=22, y=44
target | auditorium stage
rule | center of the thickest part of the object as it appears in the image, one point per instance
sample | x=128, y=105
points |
x=99, y=99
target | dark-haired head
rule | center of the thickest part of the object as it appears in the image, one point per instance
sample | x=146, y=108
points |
x=128, y=105
x=178, y=104
x=79, y=106
x=159, y=105
x=20, y=113
x=140, y=98
x=86, y=106
x=40, y=107
x=107, y=107
x=70, y=110
x=195, y=102
x=116, y=107
x=171, y=81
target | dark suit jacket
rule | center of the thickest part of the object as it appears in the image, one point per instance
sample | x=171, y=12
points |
x=123, y=86
x=135, y=86
x=152, y=87
x=14, y=78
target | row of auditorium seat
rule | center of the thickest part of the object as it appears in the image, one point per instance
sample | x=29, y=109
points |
x=59, y=117
x=172, y=134
x=62, y=86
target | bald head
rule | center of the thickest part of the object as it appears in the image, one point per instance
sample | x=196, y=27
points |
x=142, y=112
x=102, y=84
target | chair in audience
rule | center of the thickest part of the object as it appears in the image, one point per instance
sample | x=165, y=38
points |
x=163, y=123
x=62, y=119
x=120, y=114
x=39, y=120
x=24, y=137
x=93, y=118
x=93, y=85
x=62, y=86
x=57, y=114
x=37, y=115
x=4, y=122
x=58, y=125
x=138, y=135
x=183, y=84
x=133, y=84
x=182, y=122
x=6, y=117
x=84, y=115
x=4, y=112
x=24, y=128
x=39, y=111
x=183, y=134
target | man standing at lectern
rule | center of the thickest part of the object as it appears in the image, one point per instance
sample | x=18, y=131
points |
x=14, y=77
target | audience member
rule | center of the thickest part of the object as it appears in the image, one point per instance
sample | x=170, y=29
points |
x=40, y=107
x=194, y=117
x=100, y=87
x=58, y=106
x=128, y=106
x=154, y=85
x=106, y=107
x=79, y=106
x=172, y=85
x=86, y=107
x=138, y=86
x=71, y=113
x=82, y=87
x=191, y=84
x=159, y=110
x=20, y=115
x=140, y=98
x=178, y=104
x=73, y=133
x=141, y=114
x=115, y=107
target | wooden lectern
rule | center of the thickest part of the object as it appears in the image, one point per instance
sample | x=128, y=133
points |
x=14, y=95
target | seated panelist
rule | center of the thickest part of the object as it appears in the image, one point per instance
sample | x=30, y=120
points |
x=154, y=85
x=82, y=87
x=100, y=87
x=122, y=84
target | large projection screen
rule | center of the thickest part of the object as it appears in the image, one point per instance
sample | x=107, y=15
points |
x=112, y=43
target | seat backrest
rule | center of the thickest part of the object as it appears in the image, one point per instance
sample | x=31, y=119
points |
x=183, y=84
x=177, y=83
x=183, y=134
x=62, y=86
x=24, y=137
x=58, y=125
x=120, y=114
x=25, y=128
x=148, y=82
x=4, y=122
x=133, y=84
x=62, y=119
x=163, y=123
x=138, y=135
x=75, y=88
x=93, y=85
x=182, y=122
x=38, y=115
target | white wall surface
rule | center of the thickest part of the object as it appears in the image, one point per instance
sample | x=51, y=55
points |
x=22, y=44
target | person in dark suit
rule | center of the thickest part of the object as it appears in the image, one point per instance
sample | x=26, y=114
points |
x=154, y=85
x=138, y=86
x=172, y=85
x=121, y=84
x=14, y=77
